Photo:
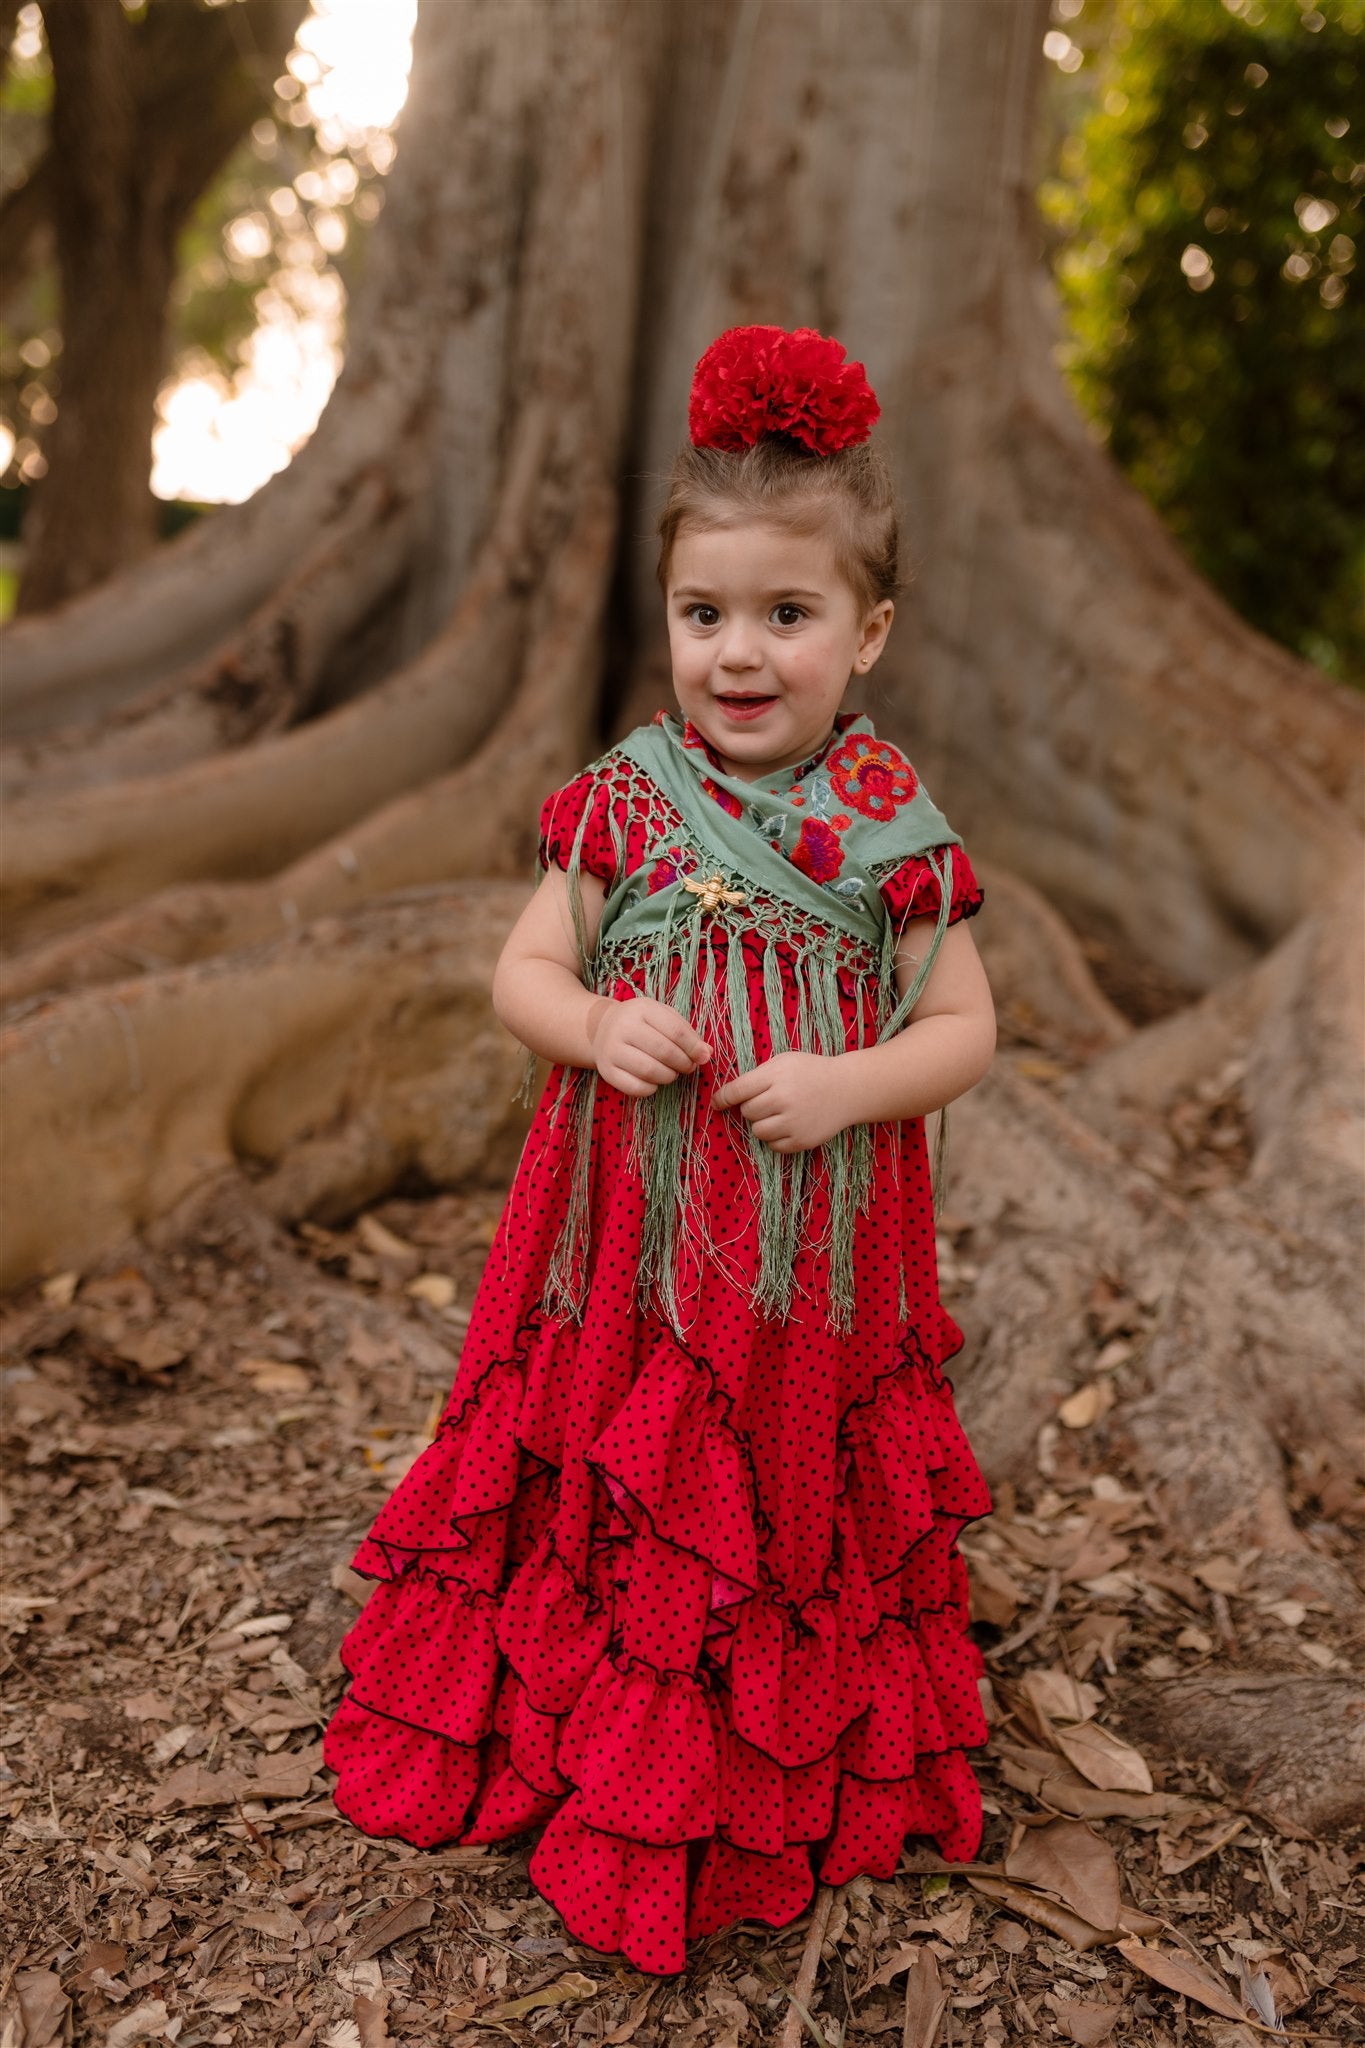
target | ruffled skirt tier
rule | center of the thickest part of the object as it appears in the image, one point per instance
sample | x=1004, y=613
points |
x=695, y=1610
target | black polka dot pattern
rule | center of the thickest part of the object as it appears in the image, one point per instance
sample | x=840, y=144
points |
x=690, y=1607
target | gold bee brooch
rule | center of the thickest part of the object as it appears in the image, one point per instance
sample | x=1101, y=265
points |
x=713, y=892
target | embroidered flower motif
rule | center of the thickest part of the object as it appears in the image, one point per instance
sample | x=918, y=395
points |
x=664, y=872
x=873, y=776
x=818, y=852
x=726, y=798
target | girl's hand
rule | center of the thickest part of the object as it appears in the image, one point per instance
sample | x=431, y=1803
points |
x=640, y=1045
x=793, y=1101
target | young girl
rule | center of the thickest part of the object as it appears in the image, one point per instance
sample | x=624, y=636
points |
x=678, y=1581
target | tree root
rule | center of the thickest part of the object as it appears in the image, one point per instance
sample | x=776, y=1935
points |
x=335, y=1061
x=478, y=820
x=1045, y=993
x=1052, y=1205
x=249, y=813
x=264, y=678
x=167, y=614
x=1291, y=1747
x=1223, y=1288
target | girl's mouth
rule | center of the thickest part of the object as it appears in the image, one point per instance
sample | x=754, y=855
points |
x=744, y=707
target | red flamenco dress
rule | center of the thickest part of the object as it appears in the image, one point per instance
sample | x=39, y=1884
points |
x=695, y=1611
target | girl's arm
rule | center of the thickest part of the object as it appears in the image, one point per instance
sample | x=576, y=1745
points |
x=538, y=994
x=798, y=1100
x=945, y=1047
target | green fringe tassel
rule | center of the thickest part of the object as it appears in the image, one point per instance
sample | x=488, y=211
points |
x=566, y=1280
x=781, y=1175
x=526, y=1087
x=661, y=1143
x=662, y=1129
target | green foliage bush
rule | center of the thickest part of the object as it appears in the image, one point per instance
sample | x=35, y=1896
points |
x=1208, y=215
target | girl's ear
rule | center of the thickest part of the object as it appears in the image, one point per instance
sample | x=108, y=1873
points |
x=876, y=626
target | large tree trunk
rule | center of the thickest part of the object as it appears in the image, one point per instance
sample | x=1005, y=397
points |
x=585, y=192
x=143, y=114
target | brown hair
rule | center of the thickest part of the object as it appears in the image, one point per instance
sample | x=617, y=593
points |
x=849, y=493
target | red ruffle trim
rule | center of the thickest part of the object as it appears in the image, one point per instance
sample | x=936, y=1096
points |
x=489, y=1693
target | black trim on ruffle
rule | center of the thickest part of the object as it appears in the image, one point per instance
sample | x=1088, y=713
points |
x=962, y=1749
x=910, y=1351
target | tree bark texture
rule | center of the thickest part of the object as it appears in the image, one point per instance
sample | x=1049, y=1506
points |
x=319, y=727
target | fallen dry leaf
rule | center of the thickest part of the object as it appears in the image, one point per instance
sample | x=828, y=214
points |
x=386, y=1928
x=372, y=2020
x=1179, y=1973
x=1053, y=1781
x=1067, y=1858
x=1097, y=1634
x=384, y=1243
x=44, y=2008
x=275, y=1777
x=570, y=1989
x=276, y=1375
x=1106, y=1761
x=1060, y=1697
x=1088, y=2024
x=1087, y=1404
x=626, y=2029
x=956, y=1925
x=148, y=1706
x=1219, y=1574
x=1172, y=1862
x=437, y=1288
x=1058, y=1920
x=995, y=1596
x=145, y=2023
x=925, y=1998
x=277, y=1921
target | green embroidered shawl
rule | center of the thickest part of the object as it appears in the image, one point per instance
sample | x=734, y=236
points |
x=794, y=857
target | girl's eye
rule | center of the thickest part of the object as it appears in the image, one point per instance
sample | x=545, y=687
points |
x=702, y=614
x=788, y=614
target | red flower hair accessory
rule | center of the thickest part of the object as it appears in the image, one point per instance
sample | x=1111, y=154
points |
x=765, y=380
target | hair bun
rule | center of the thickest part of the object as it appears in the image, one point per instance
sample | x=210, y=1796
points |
x=767, y=380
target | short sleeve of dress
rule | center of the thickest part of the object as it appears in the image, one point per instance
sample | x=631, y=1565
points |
x=560, y=815
x=912, y=889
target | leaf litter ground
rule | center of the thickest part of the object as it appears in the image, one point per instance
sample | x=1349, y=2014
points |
x=198, y=1437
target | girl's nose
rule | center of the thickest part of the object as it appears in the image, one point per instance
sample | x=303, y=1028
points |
x=740, y=649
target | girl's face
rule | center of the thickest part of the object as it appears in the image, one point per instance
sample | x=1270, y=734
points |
x=764, y=634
